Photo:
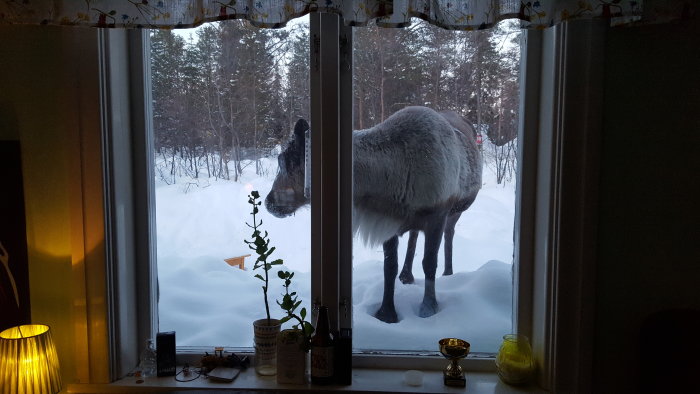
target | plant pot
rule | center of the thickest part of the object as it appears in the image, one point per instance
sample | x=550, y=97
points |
x=265, y=336
x=291, y=357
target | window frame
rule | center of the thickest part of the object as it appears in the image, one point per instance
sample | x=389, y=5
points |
x=129, y=271
x=553, y=262
x=570, y=117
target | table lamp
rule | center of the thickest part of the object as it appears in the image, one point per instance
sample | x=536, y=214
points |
x=28, y=361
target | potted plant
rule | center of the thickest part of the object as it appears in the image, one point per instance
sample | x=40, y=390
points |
x=292, y=344
x=265, y=330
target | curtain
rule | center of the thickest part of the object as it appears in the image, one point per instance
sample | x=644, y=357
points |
x=449, y=14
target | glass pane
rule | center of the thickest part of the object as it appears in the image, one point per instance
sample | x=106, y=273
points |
x=226, y=97
x=419, y=169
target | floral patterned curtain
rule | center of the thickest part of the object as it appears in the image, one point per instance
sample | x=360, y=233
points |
x=450, y=14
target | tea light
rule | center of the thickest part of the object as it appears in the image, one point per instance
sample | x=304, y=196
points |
x=413, y=377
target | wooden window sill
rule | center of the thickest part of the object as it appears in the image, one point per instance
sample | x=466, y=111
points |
x=364, y=380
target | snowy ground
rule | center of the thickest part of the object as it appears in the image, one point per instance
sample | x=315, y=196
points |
x=209, y=303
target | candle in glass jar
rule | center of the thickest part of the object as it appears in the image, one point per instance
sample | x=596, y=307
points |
x=514, y=360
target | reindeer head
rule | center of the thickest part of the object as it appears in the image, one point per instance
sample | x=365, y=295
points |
x=287, y=193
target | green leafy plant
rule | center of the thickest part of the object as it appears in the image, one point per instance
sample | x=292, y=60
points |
x=289, y=304
x=260, y=243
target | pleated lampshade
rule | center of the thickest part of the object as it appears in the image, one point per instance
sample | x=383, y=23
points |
x=28, y=361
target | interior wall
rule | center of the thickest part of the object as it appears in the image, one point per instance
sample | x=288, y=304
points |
x=649, y=251
x=648, y=248
x=40, y=103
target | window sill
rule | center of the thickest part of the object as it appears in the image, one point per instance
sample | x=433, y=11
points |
x=364, y=380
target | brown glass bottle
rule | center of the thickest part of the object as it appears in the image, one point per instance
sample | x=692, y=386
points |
x=322, y=350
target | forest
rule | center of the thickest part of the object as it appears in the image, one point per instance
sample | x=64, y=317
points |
x=225, y=98
x=227, y=94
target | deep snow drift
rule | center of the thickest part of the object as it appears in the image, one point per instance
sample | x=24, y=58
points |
x=209, y=303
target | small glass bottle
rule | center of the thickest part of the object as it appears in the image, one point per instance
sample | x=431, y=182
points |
x=514, y=360
x=147, y=362
x=322, y=350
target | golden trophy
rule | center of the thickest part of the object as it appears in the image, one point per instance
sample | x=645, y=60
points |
x=454, y=349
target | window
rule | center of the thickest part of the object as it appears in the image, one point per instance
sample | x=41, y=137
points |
x=549, y=294
x=474, y=75
x=226, y=97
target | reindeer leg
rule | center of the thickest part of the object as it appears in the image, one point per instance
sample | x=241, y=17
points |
x=449, y=236
x=387, y=312
x=406, y=276
x=433, y=237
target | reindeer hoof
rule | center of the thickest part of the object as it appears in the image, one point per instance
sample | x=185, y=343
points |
x=447, y=272
x=387, y=315
x=428, y=308
x=406, y=278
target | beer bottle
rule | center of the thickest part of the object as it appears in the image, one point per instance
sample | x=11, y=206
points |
x=322, y=350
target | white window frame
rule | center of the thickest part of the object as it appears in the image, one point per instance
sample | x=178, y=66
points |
x=570, y=113
x=561, y=113
x=127, y=155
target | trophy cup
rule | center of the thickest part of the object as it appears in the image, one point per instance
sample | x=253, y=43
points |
x=454, y=349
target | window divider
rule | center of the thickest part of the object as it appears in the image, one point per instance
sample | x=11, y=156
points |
x=316, y=138
x=325, y=132
x=345, y=177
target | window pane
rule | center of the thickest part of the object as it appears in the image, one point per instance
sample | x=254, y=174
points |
x=415, y=171
x=226, y=97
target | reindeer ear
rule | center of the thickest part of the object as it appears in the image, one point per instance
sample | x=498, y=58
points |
x=299, y=133
x=300, y=128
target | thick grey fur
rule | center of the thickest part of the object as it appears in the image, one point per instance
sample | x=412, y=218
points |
x=416, y=171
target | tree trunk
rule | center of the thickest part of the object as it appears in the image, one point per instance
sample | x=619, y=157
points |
x=382, y=73
x=361, y=108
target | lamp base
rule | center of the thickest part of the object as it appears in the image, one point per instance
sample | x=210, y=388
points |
x=454, y=381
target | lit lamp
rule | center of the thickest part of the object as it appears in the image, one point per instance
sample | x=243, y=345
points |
x=28, y=361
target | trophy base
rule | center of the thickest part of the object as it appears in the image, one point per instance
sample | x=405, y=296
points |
x=454, y=381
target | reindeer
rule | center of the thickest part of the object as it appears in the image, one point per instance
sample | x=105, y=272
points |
x=416, y=171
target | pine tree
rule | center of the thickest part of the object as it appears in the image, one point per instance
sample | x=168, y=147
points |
x=229, y=95
x=298, y=94
x=167, y=88
x=387, y=74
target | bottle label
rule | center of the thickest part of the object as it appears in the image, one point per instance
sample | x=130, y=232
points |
x=322, y=361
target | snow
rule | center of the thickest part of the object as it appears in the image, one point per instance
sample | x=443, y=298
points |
x=209, y=303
